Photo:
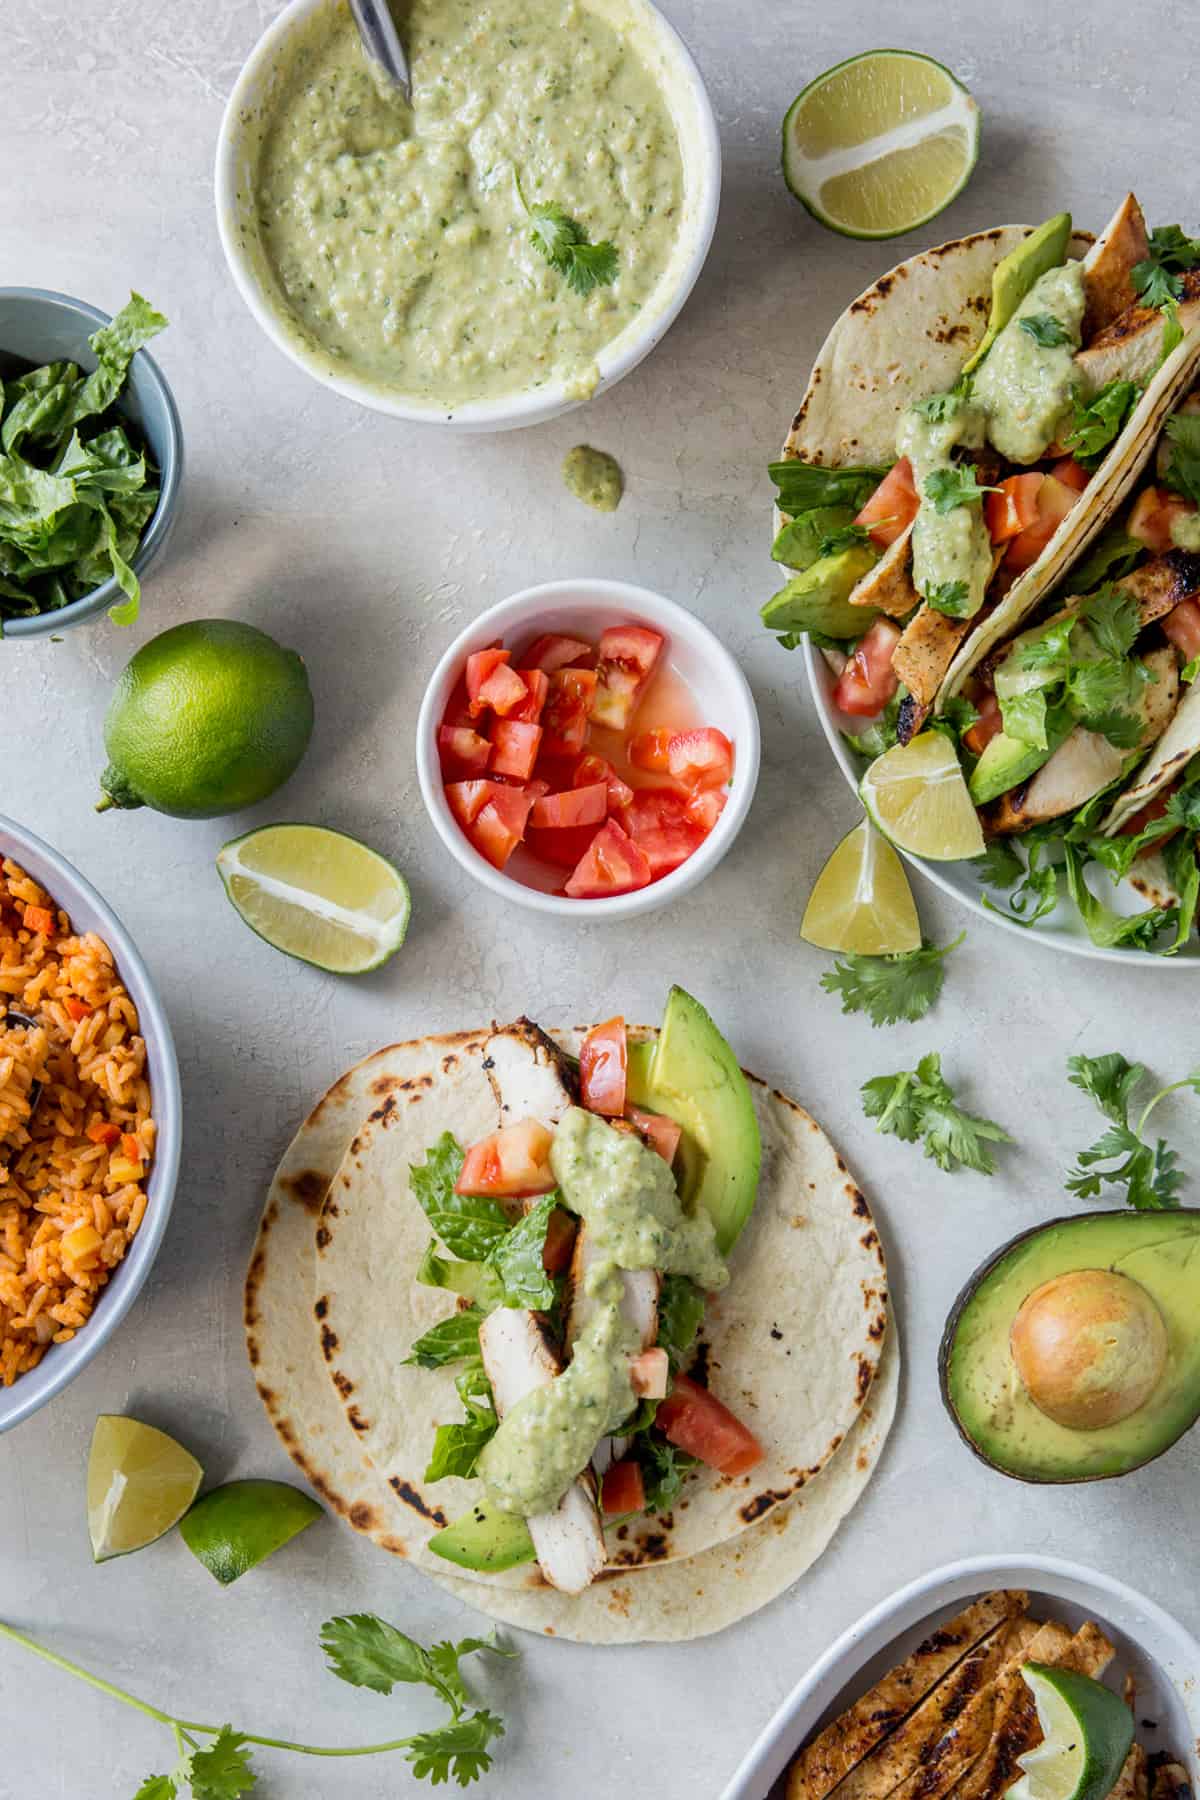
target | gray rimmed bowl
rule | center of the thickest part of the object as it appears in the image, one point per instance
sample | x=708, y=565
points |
x=40, y=326
x=89, y=912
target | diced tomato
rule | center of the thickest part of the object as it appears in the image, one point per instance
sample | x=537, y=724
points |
x=603, y=1058
x=613, y=865
x=651, y=750
x=467, y=799
x=39, y=919
x=1054, y=501
x=556, y=652
x=537, y=788
x=513, y=1163
x=1013, y=507
x=462, y=752
x=622, y=1489
x=131, y=1146
x=1182, y=626
x=567, y=710
x=515, y=748
x=893, y=506
x=503, y=691
x=669, y=849
x=1146, y=815
x=655, y=809
x=696, y=1421
x=650, y=1372
x=989, y=723
x=77, y=1008
x=1151, y=517
x=701, y=758
x=868, y=681
x=705, y=807
x=661, y=1134
x=493, y=816
x=659, y=824
x=562, y=849
x=100, y=1131
x=480, y=665
x=458, y=706
x=578, y=806
x=559, y=1241
x=597, y=768
x=1073, y=473
x=628, y=657
x=537, y=685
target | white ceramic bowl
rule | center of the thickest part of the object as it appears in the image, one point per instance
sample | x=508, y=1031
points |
x=1062, y=929
x=700, y=147
x=1163, y=1658
x=585, y=608
x=89, y=912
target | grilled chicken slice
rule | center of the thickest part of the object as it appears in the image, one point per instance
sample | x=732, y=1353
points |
x=889, y=584
x=923, y=655
x=529, y=1075
x=843, y=1744
x=908, y=1747
x=1086, y=762
x=1160, y=584
x=1015, y=1727
x=1108, y=268
x=1131, y=347
x=639, y=1302
x=519, y=1355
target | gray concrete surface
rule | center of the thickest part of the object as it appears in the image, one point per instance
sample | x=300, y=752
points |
x=367, y=544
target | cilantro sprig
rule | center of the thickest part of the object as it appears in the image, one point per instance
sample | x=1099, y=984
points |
x=565, y=244
x=958, y=486
x=1123, y=1156
x=890, y=989
x=1045, y=330
x=360, y=1649
x=919, y=1105
x=1182, y=471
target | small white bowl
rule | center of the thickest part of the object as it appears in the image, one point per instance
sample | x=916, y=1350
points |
x=585, y=608
x=1154, y=1648
x=700, y=148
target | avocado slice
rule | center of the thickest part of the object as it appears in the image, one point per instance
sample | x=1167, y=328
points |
x=798, y=544
x=486, y=1540
x=818, y=598
x=1016, y=273
x=1006, y=761
x=692, y=1076
x=983, y=1391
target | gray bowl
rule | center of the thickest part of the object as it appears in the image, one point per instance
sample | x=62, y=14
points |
x=88, y=912
x=41, y=327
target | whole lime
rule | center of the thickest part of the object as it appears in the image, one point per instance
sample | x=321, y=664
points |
x=207, y=718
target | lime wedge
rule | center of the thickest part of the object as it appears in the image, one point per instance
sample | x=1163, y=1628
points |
x=917, y=796
x=881, y=143
x=1087, y=1733
x=861, y=900
x=241, y=1524
x=318, y=895
x=140, y=1482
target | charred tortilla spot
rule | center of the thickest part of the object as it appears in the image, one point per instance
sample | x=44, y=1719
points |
x=252, y=1353
x=699, y=1371
x=449, y=1062
x=321, y=1307
x=869, y=1239
x=343, y=1384
x=762, y=1503
x=324, y=1237
x=357, y=1422
x=308, y=1188
x=858, y=1204
x=383, y=1085
x=864, y=1377
x=409, y=1495
x=383, y=1113
x=361, y=1516
x=329, y=1342
x=395, y=1545
x=877, y=1327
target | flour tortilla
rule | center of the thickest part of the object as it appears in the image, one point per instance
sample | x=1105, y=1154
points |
x=793, y=1343
x=908, y=336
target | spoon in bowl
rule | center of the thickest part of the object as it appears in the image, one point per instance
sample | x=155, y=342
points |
x=382, y=46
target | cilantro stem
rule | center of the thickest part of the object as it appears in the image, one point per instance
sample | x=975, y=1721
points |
x=1155, y=1098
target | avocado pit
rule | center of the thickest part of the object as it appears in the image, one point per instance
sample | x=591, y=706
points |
x=1090, y=1347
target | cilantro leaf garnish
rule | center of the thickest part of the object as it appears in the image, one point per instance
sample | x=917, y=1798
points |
x=950, y=597
x=1122, y=1156
x=1034, y=883
x=937, y=408
x=844, y=538
x=1182, y=471
x=890, y=988
x=663, y=1469
x=221, y=1770
x=458, y=1750
x=920, y=1104
x=1045, y=330
x=999, y=866
x=1113, y=619
x=1154, y=283
x=565, y=245
x=1094, y=426
x=157, y=1787
x=947, y=488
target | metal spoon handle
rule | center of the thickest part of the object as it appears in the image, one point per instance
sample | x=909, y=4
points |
x=381, y=41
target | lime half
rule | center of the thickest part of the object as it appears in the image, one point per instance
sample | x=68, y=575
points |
x=861, y=901
x=140, y=1482
x=917, y=796
x=241, y=1524
x=1087, y=1733
x=881, y=143
x=318, y=895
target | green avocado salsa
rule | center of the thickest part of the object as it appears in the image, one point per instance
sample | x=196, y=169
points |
x=626, y=1196
x=398, y=236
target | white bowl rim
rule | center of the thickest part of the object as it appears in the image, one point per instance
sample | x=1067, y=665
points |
x=595, y=593
x=64, y=1362
x=939, y=1587
x=816, y=669
x=508, y=411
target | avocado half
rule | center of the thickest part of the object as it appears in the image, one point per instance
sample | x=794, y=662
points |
x=983, y=1392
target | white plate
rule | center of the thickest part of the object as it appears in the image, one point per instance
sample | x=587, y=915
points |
x=1163, y=1658
x=1062, y=929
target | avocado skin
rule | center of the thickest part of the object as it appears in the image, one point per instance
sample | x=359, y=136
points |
x=487, y=1541
x=1183, y=1222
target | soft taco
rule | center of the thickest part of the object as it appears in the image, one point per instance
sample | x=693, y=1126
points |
x=973, y=420
x=802, y=1368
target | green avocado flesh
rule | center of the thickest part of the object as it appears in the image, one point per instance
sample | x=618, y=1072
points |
x=1014, y=275
x=486, y=1540
x=692, y=1076
x=1006, y=762
x=984, y=1392
x=818, y=599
